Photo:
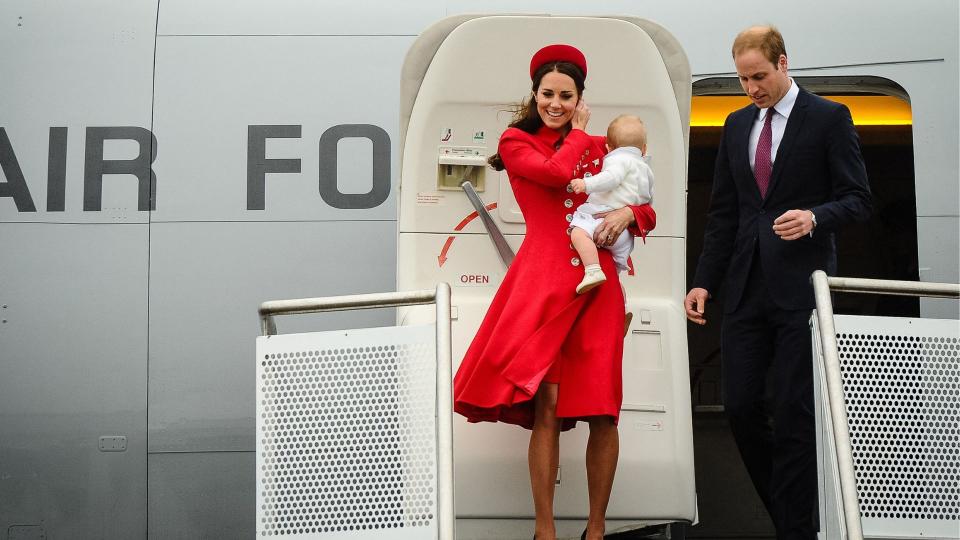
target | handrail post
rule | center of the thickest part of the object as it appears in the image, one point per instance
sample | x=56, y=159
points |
x=268, y=326
x=445, y=519
x=837, y=405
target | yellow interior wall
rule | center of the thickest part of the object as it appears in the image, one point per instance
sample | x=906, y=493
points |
x=866, y=110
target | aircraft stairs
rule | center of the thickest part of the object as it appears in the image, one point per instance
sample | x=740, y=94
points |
x=354, y=426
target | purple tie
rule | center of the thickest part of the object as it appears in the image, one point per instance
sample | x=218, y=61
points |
x=762, y=164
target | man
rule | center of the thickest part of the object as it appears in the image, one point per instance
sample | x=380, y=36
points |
x=788, y=175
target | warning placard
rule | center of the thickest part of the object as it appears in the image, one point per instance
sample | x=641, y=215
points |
x=430, y=198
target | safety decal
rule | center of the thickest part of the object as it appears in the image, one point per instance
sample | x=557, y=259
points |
x=430, y=198
x=442, y=258
x=656, y=425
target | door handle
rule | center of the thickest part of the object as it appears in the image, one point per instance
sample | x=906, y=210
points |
x=496, y=236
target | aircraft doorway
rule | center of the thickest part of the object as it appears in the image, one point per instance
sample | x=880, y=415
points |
x=885, y=247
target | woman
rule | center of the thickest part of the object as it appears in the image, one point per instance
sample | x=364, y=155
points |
x=545, y=357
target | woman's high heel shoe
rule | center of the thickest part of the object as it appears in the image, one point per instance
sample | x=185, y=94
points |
x=583, y=536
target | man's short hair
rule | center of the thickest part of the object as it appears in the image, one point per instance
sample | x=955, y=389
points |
x=766, y=39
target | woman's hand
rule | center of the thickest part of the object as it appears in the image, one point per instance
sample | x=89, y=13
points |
x=614, y=223
x=581, y=115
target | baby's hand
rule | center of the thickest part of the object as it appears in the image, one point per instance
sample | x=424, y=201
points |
x=578, y=185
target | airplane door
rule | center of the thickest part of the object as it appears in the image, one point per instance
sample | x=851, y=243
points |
x=459, y=79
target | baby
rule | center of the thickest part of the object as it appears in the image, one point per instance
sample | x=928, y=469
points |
x=625, y=180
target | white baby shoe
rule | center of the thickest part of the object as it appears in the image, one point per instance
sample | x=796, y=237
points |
x=592, y=277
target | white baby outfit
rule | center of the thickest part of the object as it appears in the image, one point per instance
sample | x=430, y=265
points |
x=626, y=180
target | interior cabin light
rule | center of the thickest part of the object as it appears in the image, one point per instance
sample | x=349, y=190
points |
x=711, y=111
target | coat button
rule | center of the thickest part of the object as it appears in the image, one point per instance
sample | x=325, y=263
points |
x=571, y=247
x=569, y=218
x=569, y=230
x=587, y=175
x=575, y=261
x=569, y=188
x=568, y=203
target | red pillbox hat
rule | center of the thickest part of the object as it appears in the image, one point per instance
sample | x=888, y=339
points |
x=558, y=53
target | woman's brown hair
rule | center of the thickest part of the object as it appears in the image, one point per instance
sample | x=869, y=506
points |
x=525, y=115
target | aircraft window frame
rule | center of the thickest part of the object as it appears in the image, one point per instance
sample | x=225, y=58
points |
x=843, y=85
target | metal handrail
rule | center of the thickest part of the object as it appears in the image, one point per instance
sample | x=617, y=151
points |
x=441, y=299
x=892, y=287
x=822, y=286
x=496, y=236
x=268, y=309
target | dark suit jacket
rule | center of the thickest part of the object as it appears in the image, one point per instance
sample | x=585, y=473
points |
x=818, y=167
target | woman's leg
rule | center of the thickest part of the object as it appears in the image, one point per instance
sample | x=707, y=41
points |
x=603, y=449
x=543, y=457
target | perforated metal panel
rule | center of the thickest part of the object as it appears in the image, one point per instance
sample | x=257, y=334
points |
x=901, y=380
x=346, y=434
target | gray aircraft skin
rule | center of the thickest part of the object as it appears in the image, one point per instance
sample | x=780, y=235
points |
x=168, y=165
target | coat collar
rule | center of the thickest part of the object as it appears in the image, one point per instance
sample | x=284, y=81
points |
x=741, y=134
x=794, y=124
x=550, y=137
x=785, y=106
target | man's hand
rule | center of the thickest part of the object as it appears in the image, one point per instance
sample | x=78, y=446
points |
x=793, y=224
x=696, y=304
x=579, y=185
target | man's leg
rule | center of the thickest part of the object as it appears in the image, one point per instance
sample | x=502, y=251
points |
x=794, y=473
x=747, y=350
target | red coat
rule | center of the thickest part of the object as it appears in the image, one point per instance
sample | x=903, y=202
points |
x=536, y=318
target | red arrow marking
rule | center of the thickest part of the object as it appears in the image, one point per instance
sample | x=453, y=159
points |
x=443, y=253
x=630, y=271
x=472, y=217
x=466, y=220
x=446, y=245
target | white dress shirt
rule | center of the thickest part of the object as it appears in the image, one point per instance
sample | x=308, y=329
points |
x=777, y=124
